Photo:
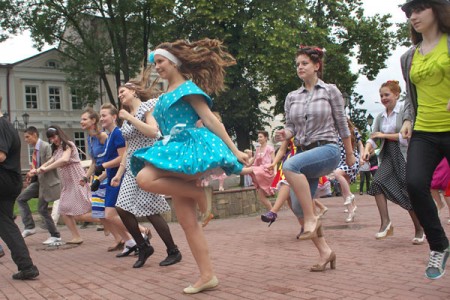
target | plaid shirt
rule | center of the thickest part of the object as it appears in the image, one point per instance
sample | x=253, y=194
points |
x=315, y=117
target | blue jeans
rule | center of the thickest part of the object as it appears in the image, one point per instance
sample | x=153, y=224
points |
x=314, y=164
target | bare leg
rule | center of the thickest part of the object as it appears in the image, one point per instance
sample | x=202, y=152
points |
x=221, y=182
x=300, y=185
x=447, y=200
x=263, y=199
x=437, y=199
x=283, y=195
x=114, y=220
x=319, y=204
x=72, y=225
x=158, y=181
x=344, y=182
x=187, y=217
x=324, y=249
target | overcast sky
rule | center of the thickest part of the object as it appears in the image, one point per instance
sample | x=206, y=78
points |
x=20, y=47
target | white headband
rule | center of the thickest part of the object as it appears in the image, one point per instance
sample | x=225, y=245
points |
x=166, y=54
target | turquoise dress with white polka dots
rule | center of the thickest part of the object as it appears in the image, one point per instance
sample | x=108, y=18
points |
x=185, y=148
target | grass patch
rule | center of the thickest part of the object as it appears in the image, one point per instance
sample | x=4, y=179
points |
x=33, y=203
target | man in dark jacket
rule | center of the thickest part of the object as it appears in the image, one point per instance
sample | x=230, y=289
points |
x=10, y=187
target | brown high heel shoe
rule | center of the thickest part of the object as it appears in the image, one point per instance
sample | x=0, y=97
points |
x=307, y=235
x=320, y=268
x=206, y=220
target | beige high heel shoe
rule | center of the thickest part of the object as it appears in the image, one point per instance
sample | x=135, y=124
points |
x=321, y=267
x=307, y=235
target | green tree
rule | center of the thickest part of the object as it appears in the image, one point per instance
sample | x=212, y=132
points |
x=9, y=22
x=96, y=37
x=263, y=36
x=112, y=36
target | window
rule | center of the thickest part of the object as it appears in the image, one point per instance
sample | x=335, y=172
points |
x=30, y=154
x=54, y=96
x=31, y=97
x=80, y=142
x=52, y=64
x=76, y=100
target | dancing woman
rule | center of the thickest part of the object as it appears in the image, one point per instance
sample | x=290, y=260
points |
x=139, y=130
x=96, y=144
x=389, y=181
x=75, y=200
x=426, y=70
x=174, y=165
x=314, y=113
x=345, y=174
x=262, y=174
x=115, y=149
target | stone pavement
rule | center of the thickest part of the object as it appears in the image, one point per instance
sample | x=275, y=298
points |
x=252, y=261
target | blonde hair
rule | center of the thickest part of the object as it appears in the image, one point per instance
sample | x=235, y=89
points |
x=203, y=62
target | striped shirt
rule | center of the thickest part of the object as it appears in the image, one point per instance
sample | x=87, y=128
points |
x=315, y=116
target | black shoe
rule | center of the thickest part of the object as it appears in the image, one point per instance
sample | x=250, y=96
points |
x=85, y=225
x=145, y=250
x=26, y=274
x=128, y=251
x=173, y=256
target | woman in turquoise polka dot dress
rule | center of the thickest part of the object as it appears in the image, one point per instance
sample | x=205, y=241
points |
x=186, y=153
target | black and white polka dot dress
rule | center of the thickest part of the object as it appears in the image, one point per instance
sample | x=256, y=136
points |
x=131, y=197
x=390, y=178
x=352, y=171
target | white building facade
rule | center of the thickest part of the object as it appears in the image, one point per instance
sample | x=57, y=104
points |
x=36, y=87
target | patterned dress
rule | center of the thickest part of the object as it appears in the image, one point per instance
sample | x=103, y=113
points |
x=131, y=198
x=75, y=199
x=185, y=148
x=352, y=171
x=261, y=178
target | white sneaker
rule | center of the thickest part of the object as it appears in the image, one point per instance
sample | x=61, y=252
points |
x=51, y=240
x=28, y=232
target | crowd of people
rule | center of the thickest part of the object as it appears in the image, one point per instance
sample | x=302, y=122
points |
x=171, y=143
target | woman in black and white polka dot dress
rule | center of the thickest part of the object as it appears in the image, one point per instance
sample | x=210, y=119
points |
x=389, y=181
x=132, y=201
x=346, y=175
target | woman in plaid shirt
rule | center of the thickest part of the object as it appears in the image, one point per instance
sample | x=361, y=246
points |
x=314, y=115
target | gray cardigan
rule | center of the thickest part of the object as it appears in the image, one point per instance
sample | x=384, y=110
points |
x=411, y=93
x=398, y=126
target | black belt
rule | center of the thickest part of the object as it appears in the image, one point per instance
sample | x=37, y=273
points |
x=315, y=145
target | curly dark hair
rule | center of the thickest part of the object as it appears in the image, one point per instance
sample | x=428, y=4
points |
x=316, y=55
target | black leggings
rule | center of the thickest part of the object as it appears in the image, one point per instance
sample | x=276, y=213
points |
x=158, y=222
x=425, y=152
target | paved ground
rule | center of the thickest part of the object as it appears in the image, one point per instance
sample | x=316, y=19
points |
x=252, y=261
